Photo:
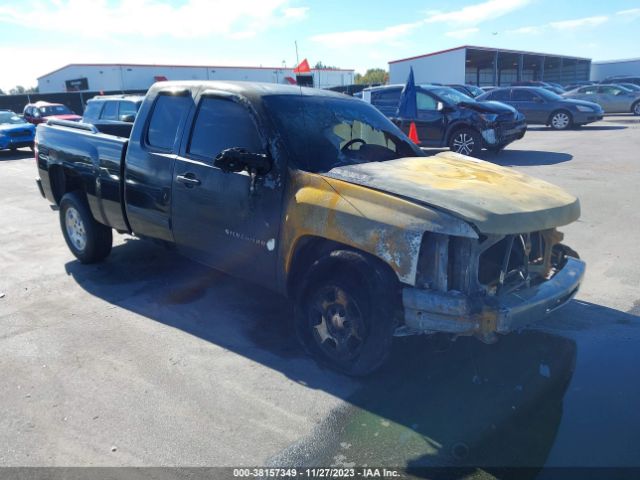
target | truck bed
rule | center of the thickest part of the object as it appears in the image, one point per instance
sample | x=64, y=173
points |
x=93, y=159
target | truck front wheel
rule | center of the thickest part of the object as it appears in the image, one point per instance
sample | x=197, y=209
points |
x=345, y=313
x=89, y=240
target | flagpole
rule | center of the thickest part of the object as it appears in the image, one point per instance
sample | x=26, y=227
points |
x=295, y=42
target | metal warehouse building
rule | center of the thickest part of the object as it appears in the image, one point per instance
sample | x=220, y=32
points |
x=489, y=66
x=114, y=77
x=610, y=68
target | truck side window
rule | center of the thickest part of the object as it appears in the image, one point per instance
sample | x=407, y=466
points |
x=92, y=110
x=168, y=111
x=110, y=111
x=222, y=124
x=426, y=102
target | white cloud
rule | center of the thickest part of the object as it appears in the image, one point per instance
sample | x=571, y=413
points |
x=478, y=13
x=630, y=14
x=389, y=35
x=579, y=22
x=462, y=33
x=153, y=18
x=526, y=30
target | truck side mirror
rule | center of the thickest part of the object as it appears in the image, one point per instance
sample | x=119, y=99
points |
x=127, y=118
x=238, y=159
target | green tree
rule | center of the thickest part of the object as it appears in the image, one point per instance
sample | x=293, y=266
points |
x=372, y=75
x=17, y=90
x=322, y=66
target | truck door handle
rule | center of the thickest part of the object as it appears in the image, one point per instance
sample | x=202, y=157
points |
x=188, y=179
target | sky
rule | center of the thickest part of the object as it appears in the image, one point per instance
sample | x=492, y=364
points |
x=38, y=36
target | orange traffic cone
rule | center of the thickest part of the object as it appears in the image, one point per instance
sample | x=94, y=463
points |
x=413, y=133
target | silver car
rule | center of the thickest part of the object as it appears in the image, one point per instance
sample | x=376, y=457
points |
x=612, y=98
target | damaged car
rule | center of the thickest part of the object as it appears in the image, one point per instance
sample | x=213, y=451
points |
x=447, y=117
x=322, y=199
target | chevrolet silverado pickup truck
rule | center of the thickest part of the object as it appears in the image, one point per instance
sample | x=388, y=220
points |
x=319, y=197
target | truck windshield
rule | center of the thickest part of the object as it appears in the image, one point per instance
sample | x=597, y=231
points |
x=10, y=118
x=323, y=132
x=451, y=95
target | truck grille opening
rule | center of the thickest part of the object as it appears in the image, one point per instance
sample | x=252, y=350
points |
x=517, y=260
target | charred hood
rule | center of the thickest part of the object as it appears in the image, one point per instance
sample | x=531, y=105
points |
x=497, y=200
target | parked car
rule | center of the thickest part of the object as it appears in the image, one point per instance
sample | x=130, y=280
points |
x=40, y=112
x=448, y=118
x=612, y=98
x=318, y=197
x=488, y=88
x=621, y=78
x=113, y=114
x=630, y=86
x=540, y=106
x=469, y=90
x=551, y=86
x=14, y=131
x=580, y=83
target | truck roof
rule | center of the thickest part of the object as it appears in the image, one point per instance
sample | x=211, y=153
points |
x=248, y=89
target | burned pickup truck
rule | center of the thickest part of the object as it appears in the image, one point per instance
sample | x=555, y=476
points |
x=320, y=198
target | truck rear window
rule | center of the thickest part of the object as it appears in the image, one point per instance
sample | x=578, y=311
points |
x=168, y=112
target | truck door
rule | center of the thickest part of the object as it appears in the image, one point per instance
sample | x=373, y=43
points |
x=149, y=166
x=217, y=220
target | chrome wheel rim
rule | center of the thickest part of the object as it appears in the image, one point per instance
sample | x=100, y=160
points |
x=75, y=228
x=636, y=109
x=560, y=120
x=336, y=323
x=463, y=143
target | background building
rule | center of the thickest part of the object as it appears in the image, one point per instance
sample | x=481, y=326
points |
x=489, y=66
x=114, y=77
x=602, y=70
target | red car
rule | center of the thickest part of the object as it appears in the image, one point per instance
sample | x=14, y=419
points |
x=40, y=112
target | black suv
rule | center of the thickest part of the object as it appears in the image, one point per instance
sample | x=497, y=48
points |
x=113, y=114
x=448, y=118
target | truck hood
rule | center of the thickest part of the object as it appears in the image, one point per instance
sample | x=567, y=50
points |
x=497, y=200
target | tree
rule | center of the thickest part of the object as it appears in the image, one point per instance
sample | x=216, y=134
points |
x=371, y=76
x=2, y=92
x=17, y=90
x=322, y=66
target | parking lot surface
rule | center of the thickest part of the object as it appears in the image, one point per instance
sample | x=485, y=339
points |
x=149, y=359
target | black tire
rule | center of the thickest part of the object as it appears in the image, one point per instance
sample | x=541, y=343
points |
x=89, y=240
x=560, y=120
x=635, y=108
x=466, y=141
x=361, y=299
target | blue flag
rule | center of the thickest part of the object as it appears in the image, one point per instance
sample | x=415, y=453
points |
x=408, y=106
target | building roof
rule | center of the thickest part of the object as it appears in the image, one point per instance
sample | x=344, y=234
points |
x=622, y=60
x=484, y=48
x=187, y=66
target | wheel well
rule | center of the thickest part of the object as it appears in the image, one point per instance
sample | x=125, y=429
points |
x=63, y=180
x=310, y=249
x=633, y=105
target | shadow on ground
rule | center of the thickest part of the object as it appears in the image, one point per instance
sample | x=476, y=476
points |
x=522, y=158
x=19, y=154
x=578, y=128
x=436, y=403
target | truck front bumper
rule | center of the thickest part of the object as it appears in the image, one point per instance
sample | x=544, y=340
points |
x=427, y=311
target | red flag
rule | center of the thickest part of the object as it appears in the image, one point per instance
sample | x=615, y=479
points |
x=413, y=133
x=303, y=67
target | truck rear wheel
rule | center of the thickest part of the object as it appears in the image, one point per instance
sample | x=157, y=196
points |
x=89, y=240
x=345, y=313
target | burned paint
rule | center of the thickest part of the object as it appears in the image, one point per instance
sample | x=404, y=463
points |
x=383, y=225
x=497, y=200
